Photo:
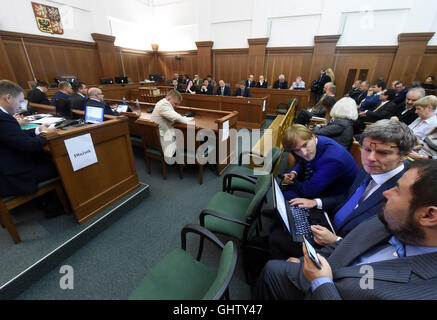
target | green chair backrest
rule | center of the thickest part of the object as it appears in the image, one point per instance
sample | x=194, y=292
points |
x=224, y=272
x=262, y=186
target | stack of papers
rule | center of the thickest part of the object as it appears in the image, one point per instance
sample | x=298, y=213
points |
x=48, y=120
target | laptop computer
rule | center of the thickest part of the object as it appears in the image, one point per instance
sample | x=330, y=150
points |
x=94, y=114
x=297, y=220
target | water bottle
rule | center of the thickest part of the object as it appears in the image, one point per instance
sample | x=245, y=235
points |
x=124, y=101
x=138, y=107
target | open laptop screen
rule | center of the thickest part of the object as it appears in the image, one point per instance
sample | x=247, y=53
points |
x=280, y=204
x=94, y=114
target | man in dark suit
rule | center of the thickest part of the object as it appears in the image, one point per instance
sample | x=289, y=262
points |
x=206, y=88
x=261, y=83
x=223, y=89
x=391, y=256
x=324, y=79
x=38, y=95
x=386, y=145
x=364, y=87
x=251, y=83
x=373, y=96
x=177, y=86
x=401, y=92
x=281, y=83
x=243, y=91
x=65, y=90
x=96, y=100
x=79, y=97
x=22, y=167
x=406, y=112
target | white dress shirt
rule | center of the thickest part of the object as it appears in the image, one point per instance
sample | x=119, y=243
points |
x=421, y=128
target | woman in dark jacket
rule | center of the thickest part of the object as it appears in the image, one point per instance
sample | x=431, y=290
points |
x=341, y=126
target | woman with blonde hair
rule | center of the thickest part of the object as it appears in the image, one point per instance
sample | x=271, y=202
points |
x=330, y=73
x=341, y=126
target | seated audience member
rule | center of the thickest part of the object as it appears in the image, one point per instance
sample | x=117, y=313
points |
x=354, y=92
x=281, y=83
x=385, y=147
x=406, y=112
x=211, y=82
x=223, y=89
x=399, y=246
x=429, y=148
x=305, y=116
x=96, y=99
x=427, y=120
x=23, y=165
x=165, y=115
x=373, y=97
x=261, y=83
x=384, y=111
x=197, y=82
x=298, y=84
x=191, y=89
x=428, y=84
x=186, y=79
x=176, y=86
x=79, y=97
x=65, y=90
x=206, y=88
x=401, y=92
x=364, y=88
x=38, y=95
x=341, y=126
x=250, y=82
x=320, y=84
x=243, y=91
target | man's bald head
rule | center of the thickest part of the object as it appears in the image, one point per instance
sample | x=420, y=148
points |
x=95, y=93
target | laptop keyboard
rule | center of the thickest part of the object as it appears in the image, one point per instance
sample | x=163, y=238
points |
x=301, y=222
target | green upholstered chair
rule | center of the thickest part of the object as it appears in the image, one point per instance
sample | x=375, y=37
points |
x=9, y=203
x=236, y=216
x=179, y=276
x=249, y=186
x=281, y=110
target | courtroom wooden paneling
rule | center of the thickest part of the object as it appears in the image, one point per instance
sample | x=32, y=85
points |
x=6, y=70
x=257, y=56
x=18, y=60
x=185, y=64
x=138, y=65
x=428, y=66
x=378, y=60
x=204, y=58
x=231, y=65
x=277, y=96
x=291, y=62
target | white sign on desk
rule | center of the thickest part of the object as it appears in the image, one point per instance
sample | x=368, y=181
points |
x=264, y=105
x=225, y=131
x=81, y=151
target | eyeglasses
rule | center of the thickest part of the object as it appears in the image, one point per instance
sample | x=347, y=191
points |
x=380, y=148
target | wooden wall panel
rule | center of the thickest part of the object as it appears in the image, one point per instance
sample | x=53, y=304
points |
x=377, y=60
x=428, y=66
x=137, y=66
x=18, y=60
x=169, y=65
x=290, y=62
x=232, y=66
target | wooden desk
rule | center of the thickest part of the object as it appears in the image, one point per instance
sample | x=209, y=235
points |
x=250, y=110
x=100, y=185
x=282, y=96
x=210, y=120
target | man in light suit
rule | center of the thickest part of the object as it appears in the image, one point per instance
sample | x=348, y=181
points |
x=385, y=147
x=165, y=115
x=391, y=256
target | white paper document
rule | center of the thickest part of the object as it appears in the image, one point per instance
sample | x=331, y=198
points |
x=81, y=152
x=264, y=105
x=225, y=131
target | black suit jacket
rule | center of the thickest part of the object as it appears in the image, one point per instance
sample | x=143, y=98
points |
x=279, y=85
x=37, y=96
x=78, y=102
x=251, y=85
x=360, y=97
x=209, y=91
x=107, y=108
x=264, y=85
x=17, y=166
x=246, y=94
x=227, y=91
x=408, y=117
x=385, y=112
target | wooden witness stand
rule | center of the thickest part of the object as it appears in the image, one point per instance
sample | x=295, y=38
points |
x=96, y=187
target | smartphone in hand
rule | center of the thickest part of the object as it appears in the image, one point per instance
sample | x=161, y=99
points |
x=312, y=253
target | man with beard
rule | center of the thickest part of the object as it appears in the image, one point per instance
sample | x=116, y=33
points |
x=392, y=256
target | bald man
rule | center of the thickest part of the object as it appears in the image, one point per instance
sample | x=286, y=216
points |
x=96, y=96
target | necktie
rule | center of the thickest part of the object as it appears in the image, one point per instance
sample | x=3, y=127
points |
x=308, y=171
x=399, y=246
x=351, y=204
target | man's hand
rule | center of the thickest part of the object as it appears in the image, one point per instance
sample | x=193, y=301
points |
x=362, y=114
x=311, y=272
x=289, y=178
x=323, y=236
x=304, y=203
x=293, y=260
